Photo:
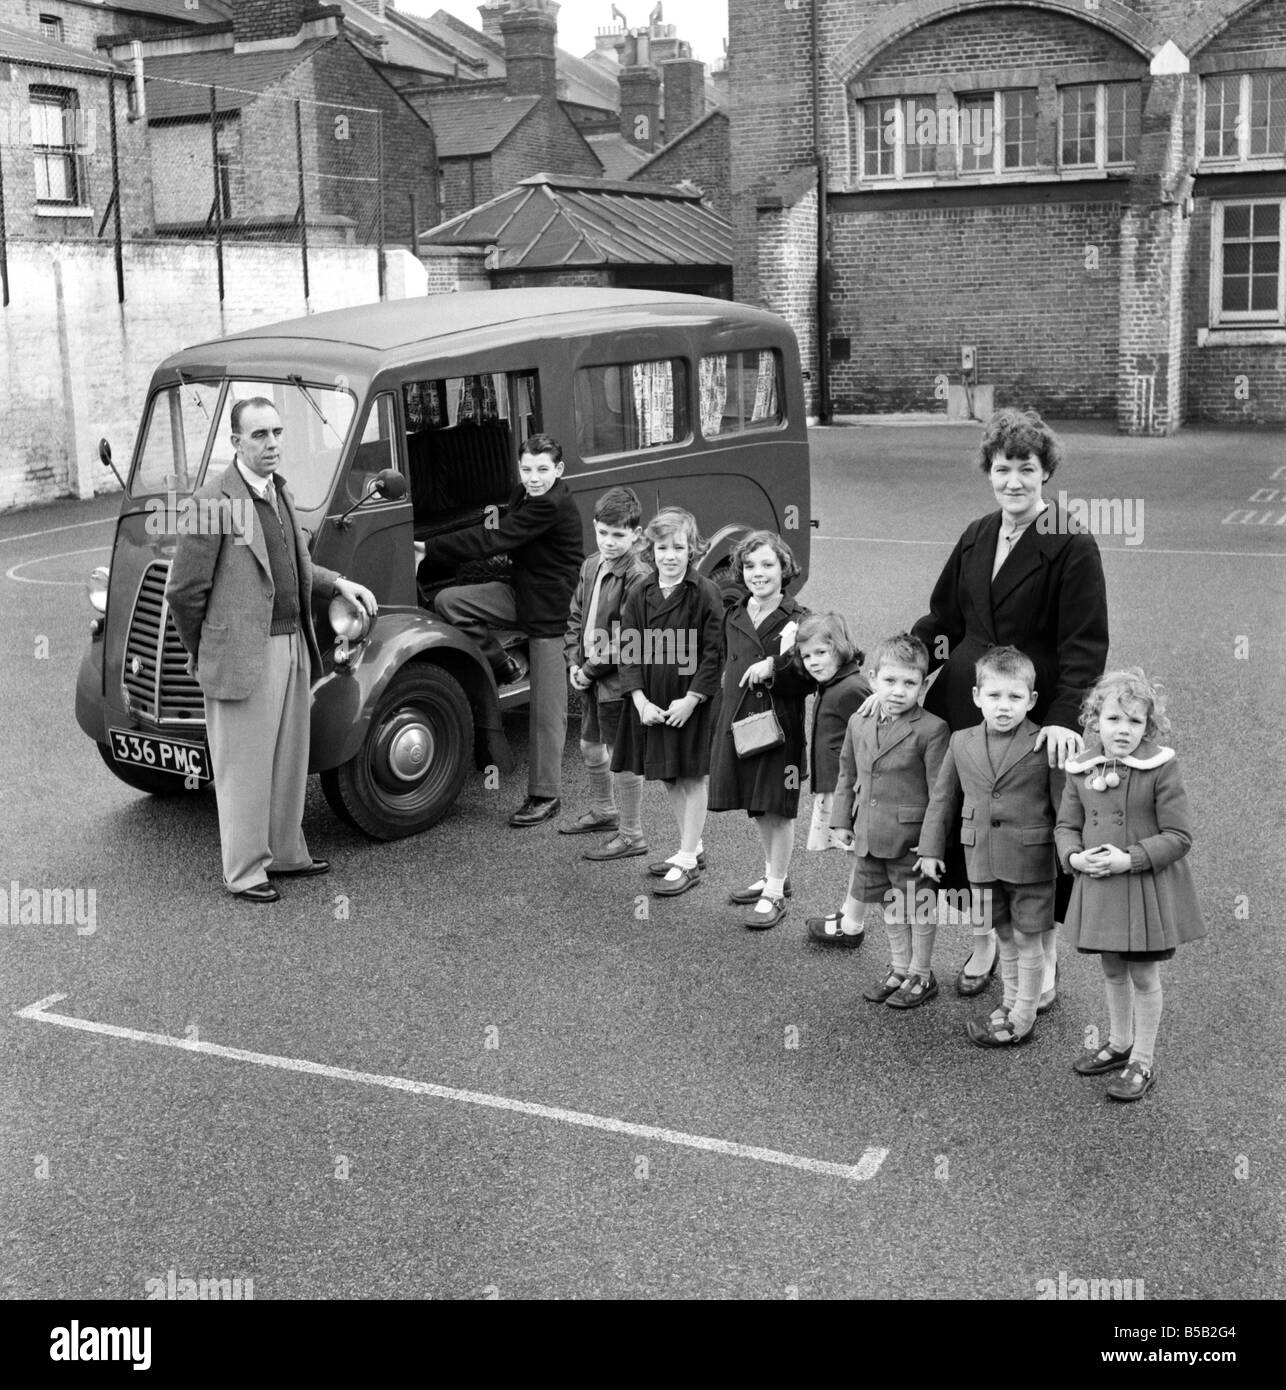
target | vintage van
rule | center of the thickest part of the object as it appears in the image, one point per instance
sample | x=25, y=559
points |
x=404, y=420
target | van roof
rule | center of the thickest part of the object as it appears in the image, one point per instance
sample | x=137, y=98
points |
x=404, y=322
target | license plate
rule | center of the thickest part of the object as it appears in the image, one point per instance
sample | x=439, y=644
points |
x=161, y=754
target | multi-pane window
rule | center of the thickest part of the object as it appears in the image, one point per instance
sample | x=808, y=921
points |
x=1245, y=115
x=899, y=137
x=54, y=124
x=1098, y=125
x=1249, y=272
x=51, y=27
x=1016, y=112
x=976, y=129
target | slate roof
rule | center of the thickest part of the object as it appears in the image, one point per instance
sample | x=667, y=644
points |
x=406, y=43
x=178, y=84
x=207, y=12
x=550, y=221
x=25, y=46
x=618, y=157
x=473, y=125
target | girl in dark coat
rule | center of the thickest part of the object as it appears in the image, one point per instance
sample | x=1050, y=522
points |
x=1124, y=829
x=671, y=651
x=829, y=654
x=1027, y=576
x=759, y=635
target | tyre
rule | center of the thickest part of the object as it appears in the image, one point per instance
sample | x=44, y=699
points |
x=413, y=762
x=141, y=778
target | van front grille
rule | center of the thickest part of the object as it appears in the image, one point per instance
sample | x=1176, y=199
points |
x=155, y=670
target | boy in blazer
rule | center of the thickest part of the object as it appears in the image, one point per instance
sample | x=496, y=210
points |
x=887, y=766
x=1004, y=794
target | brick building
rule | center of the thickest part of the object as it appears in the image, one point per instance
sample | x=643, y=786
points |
x=290, y=89
x=1090, y=193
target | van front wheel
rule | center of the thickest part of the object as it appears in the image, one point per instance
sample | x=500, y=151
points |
x=413, y=761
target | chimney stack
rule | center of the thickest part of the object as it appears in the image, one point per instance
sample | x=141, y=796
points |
x=492, y=12
x=256, y=20
x=640, y=106
x=685, y=94
x=530, y=37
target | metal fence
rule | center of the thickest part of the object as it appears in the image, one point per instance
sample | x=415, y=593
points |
x=191, y=162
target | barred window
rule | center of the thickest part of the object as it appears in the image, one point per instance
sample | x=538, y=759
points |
x=51, y=27
x=1245, y=115
x=1249, y=271
x=1098, y=125
x=55, y=115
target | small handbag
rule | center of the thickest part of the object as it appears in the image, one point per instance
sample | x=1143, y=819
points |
x=756, y=733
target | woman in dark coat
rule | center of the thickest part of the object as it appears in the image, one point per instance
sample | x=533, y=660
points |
x=759, y=635
x=1028, y=576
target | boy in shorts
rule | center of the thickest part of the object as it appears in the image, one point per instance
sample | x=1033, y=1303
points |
x=591, y=648
x=1004, y=795
x=887, y=767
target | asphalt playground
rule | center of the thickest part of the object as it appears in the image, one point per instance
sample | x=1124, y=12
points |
x=470, y=1065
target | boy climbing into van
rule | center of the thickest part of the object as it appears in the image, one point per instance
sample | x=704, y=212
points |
x=541, y=533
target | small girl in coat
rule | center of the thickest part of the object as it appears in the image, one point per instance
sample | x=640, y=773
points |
x=671, y=651
x=759, y=634
x=832, y=658
x=1124, y=829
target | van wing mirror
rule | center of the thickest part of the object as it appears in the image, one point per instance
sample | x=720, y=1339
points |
x=390, y=485
x=105, y=456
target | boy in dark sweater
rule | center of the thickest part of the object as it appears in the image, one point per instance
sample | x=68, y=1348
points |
x=541, y=533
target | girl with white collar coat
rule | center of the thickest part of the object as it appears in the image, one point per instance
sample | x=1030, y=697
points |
x=1124, y=829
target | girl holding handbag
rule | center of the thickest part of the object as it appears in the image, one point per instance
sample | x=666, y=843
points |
x=757, y=760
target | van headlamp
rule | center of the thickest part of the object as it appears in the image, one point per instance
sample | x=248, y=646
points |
x=96, y=588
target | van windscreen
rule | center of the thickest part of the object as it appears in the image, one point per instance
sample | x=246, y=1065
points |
x=188, y=422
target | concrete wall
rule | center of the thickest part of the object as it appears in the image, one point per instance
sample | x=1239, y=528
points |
x=75, y=364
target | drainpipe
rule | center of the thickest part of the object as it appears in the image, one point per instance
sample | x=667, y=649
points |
x=823, y=239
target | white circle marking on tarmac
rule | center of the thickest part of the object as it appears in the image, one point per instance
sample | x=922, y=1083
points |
x=12, y=571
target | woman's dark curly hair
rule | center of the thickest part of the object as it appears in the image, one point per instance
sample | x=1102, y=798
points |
x=1016, y=433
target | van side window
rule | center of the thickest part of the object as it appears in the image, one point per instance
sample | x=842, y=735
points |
x=631, y=405
x=740, y=391
x=463, y=436
x=375, y=449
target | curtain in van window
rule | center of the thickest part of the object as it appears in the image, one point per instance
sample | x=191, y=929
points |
x=766, y=388
x=712, y=375
x=478, y=402
x=654, y=401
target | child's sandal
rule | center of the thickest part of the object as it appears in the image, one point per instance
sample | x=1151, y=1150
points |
x=1133, y=1083
x=991, y=1034
x=877, y=994
x=1104, y=1060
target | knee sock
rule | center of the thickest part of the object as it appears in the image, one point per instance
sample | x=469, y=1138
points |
x=1008, y=969
x=598, y=765
x=1031, y=972
x=629, y=796
x=1120, y=1013
x=1049, y=947
x=922, y=936
x=1147, y=1019
x=899, y=946
x=984, y=944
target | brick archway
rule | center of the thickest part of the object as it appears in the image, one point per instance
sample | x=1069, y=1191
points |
x=1112, y=16
x=1210, y=20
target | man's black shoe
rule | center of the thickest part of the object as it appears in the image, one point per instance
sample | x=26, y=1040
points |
x=259, y=893
x=317, y=866
x=536, y=809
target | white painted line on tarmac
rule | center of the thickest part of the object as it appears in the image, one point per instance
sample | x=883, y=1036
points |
x=1103, y=549
x=12, y=571
x=49, y=531
x=865, y=1168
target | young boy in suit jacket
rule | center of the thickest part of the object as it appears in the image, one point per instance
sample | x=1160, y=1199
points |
x=1004, y=794
x=887, y=766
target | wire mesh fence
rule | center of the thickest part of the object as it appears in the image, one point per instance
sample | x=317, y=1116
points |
x=190, y=161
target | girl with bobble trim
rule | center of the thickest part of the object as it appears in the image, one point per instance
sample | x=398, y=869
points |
x=1123, y=830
